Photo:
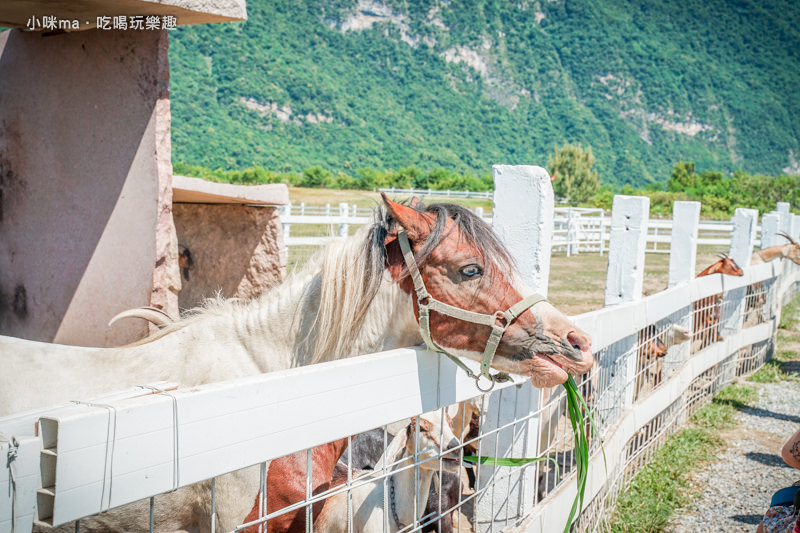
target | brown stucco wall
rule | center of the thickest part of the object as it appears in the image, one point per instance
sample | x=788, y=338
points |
x=234, y=249
x=84, y=184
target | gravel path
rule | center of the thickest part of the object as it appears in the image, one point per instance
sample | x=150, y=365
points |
x=737, y=488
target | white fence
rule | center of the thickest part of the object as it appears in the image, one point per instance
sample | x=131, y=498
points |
x=436, y=193
x=576, y=230
x=76, y=460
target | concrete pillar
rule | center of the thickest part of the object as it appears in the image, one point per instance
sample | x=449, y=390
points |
x=625, y=276
x=770, y=224
x=85, y=176
x=783, y=211
x=743, y=236
x=523, y=218
x=794, y=227
x=624, y=281
x=683, y=244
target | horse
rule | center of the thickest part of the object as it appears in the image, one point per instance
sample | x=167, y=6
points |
x=286, y=485
x=406, y=494
x=287, y=478
x=707, y=312
x=355, y=297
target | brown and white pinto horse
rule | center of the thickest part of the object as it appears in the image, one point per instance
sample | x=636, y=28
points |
x=354, y=298
x=706, y=312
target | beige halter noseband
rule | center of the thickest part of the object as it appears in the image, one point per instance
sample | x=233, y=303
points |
x=426, y=303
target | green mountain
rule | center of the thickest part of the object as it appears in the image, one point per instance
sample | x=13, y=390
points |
x=348, y=84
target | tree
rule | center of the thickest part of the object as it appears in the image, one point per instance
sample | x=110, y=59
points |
x=573, y=176
x=682, y=177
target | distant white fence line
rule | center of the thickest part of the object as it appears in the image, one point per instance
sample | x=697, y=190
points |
x=65, y=456
x=437, y=193
x=576, y=230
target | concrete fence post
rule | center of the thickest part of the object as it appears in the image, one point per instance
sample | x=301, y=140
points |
x=794, y=227
x=523, y=218
x=770, y=224
x=783, y=211
x=343, y=226
x=743, y=237
x=682, y=266
x=683, y=243
x=625, y=276
x=624, y=283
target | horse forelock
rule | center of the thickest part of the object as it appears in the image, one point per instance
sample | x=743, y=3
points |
x=448, y=218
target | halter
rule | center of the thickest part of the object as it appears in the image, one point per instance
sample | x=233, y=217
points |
x=426, y=303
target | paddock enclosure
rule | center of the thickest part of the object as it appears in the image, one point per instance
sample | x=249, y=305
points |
x=73, y=461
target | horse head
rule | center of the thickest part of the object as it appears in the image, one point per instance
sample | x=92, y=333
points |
x=791, y=252
x=462, y=264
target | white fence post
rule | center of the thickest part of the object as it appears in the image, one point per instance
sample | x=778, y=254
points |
x=683, y=244
x=743, y=237
x=783, y=211
x=625, y=276
x=770, y=226
x=682, y=265
x=794, y=227
x=624, y=281
x=343, y=226
x=523, y=218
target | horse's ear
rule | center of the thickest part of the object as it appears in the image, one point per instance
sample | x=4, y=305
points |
x=417, y=225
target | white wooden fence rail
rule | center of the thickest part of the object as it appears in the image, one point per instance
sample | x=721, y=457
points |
x=81, y=459
x=576, y=230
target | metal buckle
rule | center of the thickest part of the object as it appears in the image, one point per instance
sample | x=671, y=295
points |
x=500, y=315
x=478, y=379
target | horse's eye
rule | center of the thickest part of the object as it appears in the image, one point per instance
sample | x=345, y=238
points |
x=471, y=271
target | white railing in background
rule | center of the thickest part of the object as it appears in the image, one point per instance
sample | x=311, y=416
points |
x=576, y=230
x=488, y=195
x=170, y=440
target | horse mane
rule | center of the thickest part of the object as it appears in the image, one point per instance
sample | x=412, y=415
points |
x=346, y=276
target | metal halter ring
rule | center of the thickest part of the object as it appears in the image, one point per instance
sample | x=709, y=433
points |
x=491, y=377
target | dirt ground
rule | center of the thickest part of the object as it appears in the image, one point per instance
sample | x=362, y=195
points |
x=577, y=283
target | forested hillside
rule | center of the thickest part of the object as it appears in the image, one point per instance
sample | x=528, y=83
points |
x=349, y=84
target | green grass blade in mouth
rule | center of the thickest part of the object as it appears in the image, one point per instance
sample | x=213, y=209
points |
x=576, y=406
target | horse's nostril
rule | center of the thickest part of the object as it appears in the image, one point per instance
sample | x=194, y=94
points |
x=579, y=342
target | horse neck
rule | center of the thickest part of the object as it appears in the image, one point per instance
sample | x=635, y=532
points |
x=332, y=308
x=325, y=458
x=353, y=307
x=404, y=491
